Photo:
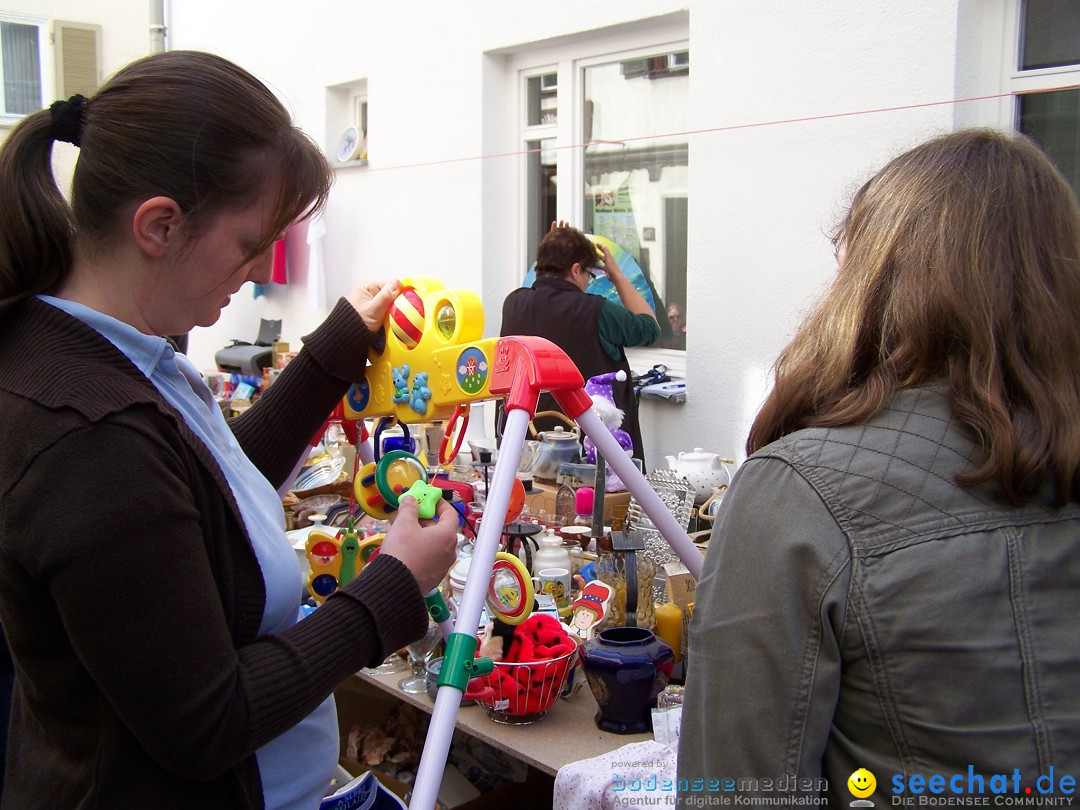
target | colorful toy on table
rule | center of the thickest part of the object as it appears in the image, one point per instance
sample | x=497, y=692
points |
x=434, y=357
x=337, y=561
x=510, y=589
x=599, y=388
x=590, y=608
x=528, y=689
x=427, y=497
x=379, y=484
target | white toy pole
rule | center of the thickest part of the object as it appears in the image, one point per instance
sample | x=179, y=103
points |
x=658, y=513
x=448, y=699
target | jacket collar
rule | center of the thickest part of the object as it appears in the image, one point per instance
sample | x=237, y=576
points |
x=555, y=283
x=55, y=359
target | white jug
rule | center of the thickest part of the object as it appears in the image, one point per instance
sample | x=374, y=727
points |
x=705, y=471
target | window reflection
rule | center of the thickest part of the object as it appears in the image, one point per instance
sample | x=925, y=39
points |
x=541, y=177
x=636, y=173
x=543, y=100
x=1053, y=121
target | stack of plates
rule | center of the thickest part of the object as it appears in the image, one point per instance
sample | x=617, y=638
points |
x=319, y=475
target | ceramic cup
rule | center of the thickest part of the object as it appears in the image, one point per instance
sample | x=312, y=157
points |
x=556, y=583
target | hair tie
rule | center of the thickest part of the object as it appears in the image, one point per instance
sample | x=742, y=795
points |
x=67, y=119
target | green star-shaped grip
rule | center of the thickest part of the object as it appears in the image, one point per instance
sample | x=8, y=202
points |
x=427, y=497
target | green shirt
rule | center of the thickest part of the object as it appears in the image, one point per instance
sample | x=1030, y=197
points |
x=619, y=327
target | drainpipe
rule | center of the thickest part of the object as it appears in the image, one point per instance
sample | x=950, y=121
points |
x=157, y=26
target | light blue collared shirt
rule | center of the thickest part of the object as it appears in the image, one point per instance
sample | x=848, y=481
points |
x=296, y=767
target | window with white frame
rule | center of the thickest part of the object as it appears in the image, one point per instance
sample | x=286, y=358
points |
x=1044, y=72
x=347, y=123
x=606, y=148
x=22, y=54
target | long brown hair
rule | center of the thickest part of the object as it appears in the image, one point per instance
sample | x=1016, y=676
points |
x=182, y=124
x=962, y=268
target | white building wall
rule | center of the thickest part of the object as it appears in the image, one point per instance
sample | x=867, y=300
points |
x=125, y=27
x=125, y=35
x=776, y=155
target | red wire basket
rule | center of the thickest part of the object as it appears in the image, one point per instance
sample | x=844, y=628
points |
x=519, y=693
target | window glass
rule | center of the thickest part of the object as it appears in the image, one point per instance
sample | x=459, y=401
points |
x=1053, y=120
x=1051, y=34
x=541, y=178
x=543, y=100
x=21, y=59
x=635, y=118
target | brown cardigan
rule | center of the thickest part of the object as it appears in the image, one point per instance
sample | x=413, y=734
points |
x=129, y=591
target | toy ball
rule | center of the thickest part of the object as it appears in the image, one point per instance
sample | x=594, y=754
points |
x=407, y=317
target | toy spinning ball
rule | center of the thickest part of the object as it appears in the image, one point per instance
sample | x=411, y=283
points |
x=407, y=317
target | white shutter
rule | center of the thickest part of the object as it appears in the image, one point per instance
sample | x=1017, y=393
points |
x=78, y=58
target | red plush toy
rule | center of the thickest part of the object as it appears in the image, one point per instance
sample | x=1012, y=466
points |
x=532, y=689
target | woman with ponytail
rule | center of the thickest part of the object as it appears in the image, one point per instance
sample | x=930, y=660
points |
x=147, y=590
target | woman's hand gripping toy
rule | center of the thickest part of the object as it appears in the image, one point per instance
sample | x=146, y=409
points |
x=426, y=547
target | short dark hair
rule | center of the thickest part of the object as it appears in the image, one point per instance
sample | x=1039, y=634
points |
x=562, y=248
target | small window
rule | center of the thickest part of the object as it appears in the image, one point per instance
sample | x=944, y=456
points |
x=636, y=177
x=347, y=123
x=1050, y=36
x=78, y=58
x=1052, y=119
x=21, y=50
x=543, y=100
x=1049, y=57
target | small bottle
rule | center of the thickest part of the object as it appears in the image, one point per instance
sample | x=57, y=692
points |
x=551, y=554
x=583, y=506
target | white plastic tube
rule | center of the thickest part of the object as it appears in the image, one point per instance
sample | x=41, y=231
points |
x=658, y=513
x=448, y=699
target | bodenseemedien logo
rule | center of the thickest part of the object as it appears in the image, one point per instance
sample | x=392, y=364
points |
x=861, y=784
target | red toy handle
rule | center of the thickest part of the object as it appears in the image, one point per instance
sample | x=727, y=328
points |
x=355, y=429
x=460, y=412
x=527, y=365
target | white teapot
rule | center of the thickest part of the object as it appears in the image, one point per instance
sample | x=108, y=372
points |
x=705, y=471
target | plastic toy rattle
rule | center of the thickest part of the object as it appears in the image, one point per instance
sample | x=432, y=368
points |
x=337, y=561
x=379, y=484
x=427, y=497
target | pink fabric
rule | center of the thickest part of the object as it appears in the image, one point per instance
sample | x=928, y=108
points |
x=278, y=275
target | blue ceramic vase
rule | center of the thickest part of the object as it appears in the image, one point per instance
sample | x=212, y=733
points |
x=627, y=667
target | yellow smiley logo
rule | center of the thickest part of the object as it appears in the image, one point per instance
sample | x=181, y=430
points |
x=861, y=783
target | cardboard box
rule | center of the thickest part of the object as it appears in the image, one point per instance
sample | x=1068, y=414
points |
x=680, y=585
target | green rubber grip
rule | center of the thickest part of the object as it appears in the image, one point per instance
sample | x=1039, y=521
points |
x=459, y=665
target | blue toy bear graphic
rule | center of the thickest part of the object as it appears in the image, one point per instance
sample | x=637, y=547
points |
x=400, y=378
x=420, y=393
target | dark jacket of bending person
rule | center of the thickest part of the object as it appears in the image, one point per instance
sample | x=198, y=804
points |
x=893, y=581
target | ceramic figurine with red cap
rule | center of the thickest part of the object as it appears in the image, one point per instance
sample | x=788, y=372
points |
x=590, y=608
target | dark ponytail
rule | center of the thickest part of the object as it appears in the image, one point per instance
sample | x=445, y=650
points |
x=37, y=227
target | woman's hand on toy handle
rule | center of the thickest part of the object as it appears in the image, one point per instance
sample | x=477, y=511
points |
x=372, y=300
x=427, y=548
